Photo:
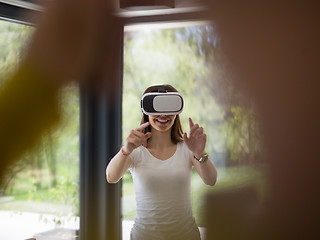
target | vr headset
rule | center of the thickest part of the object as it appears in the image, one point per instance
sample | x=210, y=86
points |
x=162, y=103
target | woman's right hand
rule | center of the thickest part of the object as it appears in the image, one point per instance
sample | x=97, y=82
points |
x=120, y=163
x=136, y=138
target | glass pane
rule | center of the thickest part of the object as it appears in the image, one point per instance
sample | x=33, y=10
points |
x=188, y=56
x=41, y=190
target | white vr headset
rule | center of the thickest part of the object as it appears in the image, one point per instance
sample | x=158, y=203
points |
x=162, y=103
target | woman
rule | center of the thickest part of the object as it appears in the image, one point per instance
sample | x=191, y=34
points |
x=160, y=158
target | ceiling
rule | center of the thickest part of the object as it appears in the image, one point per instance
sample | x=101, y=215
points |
x=179, y=5
x=16, y=10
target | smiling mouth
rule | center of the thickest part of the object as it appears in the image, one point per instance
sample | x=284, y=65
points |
x=162, y=121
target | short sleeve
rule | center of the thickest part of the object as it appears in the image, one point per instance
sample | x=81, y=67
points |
x=135, y=156
x=187, y=153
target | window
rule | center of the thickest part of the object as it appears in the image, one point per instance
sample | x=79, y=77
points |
x=188, y=56
x=41, y=191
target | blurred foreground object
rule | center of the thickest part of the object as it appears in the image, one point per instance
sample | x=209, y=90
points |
x=73, y=40
x=273, y=49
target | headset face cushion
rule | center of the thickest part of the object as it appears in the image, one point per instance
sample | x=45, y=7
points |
x=158, y=103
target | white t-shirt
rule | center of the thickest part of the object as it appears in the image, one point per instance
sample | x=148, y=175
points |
x=162, y=189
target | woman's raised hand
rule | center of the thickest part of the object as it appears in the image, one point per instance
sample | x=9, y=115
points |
x=196, y=141
x=136, y=138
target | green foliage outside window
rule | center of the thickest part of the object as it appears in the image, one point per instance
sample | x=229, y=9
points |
x=190, y=59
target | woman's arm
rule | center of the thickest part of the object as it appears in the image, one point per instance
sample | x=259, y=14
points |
x=117, y=167
x=121, y=162
x=206, y=170
x=196, y=142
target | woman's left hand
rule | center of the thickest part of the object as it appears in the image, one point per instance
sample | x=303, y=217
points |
x=196, y=141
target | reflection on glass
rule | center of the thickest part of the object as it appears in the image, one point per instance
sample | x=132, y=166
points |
x=188, y=56
x=40, y=191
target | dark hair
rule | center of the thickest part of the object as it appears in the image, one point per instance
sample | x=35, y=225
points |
x=176, y=130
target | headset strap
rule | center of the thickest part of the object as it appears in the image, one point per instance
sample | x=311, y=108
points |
x=161, y=89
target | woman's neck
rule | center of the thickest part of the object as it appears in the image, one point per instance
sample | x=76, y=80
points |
x=160, y=140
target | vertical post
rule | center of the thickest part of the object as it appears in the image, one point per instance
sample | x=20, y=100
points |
x=100, y=136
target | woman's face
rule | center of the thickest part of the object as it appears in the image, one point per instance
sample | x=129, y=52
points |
x=162, y=123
